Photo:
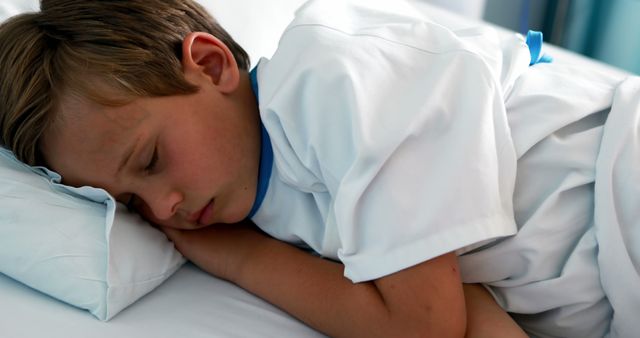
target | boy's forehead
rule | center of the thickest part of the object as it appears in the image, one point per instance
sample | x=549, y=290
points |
x=125, y=116
x=87, y=141
x=108, y=122
x=97, y=129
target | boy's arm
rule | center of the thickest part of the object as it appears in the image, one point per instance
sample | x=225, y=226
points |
x=426, y=300
x=485, y=318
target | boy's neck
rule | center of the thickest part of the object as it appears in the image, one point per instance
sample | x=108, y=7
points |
x=248, y=100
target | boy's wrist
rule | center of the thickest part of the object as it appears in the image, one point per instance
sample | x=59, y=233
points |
x=248, y=244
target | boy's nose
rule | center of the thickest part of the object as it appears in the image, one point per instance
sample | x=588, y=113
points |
x=162, y=206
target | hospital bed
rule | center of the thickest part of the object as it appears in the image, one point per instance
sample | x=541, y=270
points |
x=192, y=303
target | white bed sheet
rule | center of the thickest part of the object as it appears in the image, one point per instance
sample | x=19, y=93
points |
x=191, y=303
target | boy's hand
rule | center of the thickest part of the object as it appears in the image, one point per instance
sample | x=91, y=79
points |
x=219, y=249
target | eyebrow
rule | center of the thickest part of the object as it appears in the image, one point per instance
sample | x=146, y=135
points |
x=127, y=156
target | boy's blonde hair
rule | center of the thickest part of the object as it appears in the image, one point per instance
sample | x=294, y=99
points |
x=93, y=49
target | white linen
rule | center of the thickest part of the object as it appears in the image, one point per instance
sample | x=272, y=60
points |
x=547, y=275
x=190, y=304
x=393, y=131
x=617, y=218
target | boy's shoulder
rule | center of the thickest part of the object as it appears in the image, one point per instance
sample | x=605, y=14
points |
x=349, y=24
x=345, y=11
x=354, y=16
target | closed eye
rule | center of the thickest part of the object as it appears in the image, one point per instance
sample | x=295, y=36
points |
x=152, y=162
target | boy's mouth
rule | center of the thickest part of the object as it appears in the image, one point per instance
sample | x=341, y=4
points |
x=202, y=215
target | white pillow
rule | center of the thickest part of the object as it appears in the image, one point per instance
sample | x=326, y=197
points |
x=77, y=244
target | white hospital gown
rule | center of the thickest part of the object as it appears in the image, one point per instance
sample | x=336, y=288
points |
x=397, y=140
x=390, y=140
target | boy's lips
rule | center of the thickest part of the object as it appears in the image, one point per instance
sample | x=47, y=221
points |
x=202, y=215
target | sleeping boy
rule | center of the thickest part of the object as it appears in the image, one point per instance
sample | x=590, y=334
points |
x=402, y=157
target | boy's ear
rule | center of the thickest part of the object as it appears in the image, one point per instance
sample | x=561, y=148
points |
x=204, y=54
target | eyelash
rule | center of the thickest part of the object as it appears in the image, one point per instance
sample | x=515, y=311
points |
x=152, y=163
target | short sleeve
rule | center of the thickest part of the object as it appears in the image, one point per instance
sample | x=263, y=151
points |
x=442, y=182
x=409, y=137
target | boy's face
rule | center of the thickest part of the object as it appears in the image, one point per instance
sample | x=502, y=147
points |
x=182, y=161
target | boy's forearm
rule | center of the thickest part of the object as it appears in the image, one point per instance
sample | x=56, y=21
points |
x=485, y=318
x=315, y=290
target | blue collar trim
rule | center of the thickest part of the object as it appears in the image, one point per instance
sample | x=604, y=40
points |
x=266, y=154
